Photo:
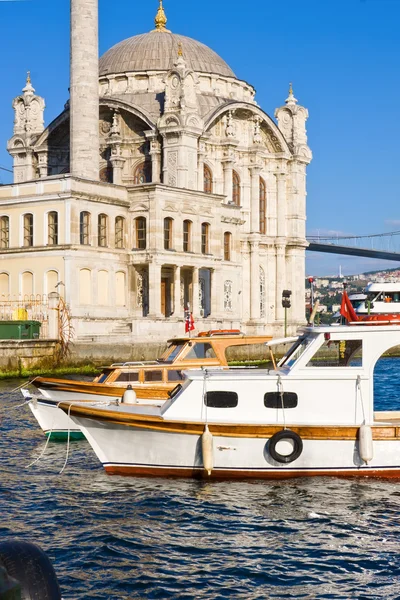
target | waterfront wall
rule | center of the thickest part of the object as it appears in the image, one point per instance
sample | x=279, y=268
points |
x=27, y=354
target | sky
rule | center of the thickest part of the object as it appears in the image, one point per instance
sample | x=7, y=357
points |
x=341, y=55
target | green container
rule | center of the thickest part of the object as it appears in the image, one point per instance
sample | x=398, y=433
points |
x=19, y=330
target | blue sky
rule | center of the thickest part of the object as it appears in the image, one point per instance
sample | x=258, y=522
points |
x=343, y=59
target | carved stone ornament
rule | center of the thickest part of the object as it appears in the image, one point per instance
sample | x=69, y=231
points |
x=230, y=126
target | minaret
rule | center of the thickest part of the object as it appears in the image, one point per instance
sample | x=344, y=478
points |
x=84, y=90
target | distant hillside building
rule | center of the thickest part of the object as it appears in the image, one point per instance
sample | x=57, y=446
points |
x=162, y=184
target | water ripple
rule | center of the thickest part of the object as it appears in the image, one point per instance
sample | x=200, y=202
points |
x=115, y=538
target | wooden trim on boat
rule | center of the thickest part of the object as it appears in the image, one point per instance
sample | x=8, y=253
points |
x=157, y=423
x=101, y=389
x=278, y=473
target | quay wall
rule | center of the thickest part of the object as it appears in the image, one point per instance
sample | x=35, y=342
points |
x=16, y=355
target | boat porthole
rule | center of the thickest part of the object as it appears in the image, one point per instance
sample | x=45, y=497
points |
x=285, y=446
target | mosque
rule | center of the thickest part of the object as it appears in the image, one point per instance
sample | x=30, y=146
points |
x=161, y=186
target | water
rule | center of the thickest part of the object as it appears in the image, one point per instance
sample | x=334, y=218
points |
x=111, y=538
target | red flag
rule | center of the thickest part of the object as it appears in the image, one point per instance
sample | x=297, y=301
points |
x=189, y=322
x=347, y=309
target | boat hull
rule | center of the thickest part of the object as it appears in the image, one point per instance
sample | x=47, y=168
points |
x=146, y=451
x=54, y=422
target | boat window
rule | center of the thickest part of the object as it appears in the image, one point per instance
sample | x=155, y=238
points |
x=295, y=351
x=338, y=353
x=221, y=399
x=200, y=351
x=103, y=376
x=275, y=400
x=153, y=375
x=128, y=376
x=171, y=353
x=175, y=376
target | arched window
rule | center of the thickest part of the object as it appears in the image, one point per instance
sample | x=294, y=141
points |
x=119, y=232
x=235, y=188
x=84, y=228
x=85, y=286
x=102, y=222
x=263, y=205
x=28, y=229
x=168, y=233
x=4, y=232
x=227, y=245
x=205, y=238
x=4, y=284
x=106, y=174
x=142, y=173
x=208, y=180
x=141, y=233
x=27, y=283
x=120, y=284
x=51, y=281
x=187, y=236
x=52, y=228
x=102, y=288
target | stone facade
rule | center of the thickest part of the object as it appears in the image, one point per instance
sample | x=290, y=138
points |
x=201, y=200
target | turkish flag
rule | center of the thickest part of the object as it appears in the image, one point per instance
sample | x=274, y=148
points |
x=189, y=322
x=347, y=309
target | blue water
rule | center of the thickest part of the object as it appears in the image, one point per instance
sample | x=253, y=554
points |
x=112, y=537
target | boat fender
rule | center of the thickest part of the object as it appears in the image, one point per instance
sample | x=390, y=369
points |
x=294, y=441
x=129, y=396
x=207, y=450
x=365, y=443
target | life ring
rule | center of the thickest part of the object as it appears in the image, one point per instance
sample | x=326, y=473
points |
x=285, y=435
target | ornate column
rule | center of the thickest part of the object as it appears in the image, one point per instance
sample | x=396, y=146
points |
x=177, y=292
x=227, y=163
x=195, y=294
x=281, y=204
x=155, y=154
x=254, y=281
x=84, y=90
x=116, y=160
x=280, y=281
x=200, y=165
x=154, y=290
x=255, y=198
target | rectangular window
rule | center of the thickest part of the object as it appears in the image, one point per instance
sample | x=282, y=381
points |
x=276, y=400
x=167, y=234
x=175, y=376
x=205, y=238
x=227, y=246
x=338, y=353
x=153, y=376
x=141, y=233
x=4, y=232
x=28, y=230
x=186, y=236
x=119, y=232
x=128, y=376
x=102, y=230
x=221, y=399
x=84, y=224
x=52, y=233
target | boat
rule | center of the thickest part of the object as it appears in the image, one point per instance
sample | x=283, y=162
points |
x=382, y=303
x=312, y=415
x=151, y=381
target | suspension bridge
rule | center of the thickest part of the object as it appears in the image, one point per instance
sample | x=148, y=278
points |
x=385, y=246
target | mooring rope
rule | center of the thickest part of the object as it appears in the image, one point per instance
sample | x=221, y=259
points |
x=280, y=392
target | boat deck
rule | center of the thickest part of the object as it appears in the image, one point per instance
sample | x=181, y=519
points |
x=387, y=416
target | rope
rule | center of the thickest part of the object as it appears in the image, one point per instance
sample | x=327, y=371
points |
x=204, y=403
x=358, y=386
x=25, y=383
x=44, y=449
x=19, y=405
x=280, y=392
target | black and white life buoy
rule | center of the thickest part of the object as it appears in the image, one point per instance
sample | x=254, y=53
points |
x=285, y=446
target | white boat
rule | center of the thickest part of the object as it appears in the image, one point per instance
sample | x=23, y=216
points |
x=382, y=303
x=152, y=382
x=312, y=415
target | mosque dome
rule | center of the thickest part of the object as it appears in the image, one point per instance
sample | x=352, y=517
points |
x=157, y=51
